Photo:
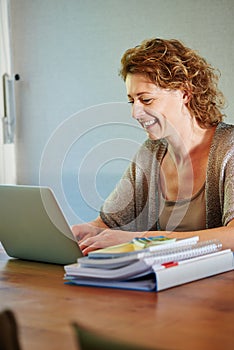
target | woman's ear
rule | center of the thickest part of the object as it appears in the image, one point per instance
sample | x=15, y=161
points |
x=186, y=91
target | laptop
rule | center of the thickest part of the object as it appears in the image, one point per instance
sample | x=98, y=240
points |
x=33, y=227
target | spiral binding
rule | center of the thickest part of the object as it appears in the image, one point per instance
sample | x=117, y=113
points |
x=182, y=252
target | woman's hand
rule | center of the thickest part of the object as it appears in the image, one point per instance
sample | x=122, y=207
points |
x=83, y=231
x=90, y=229
x=106, y=238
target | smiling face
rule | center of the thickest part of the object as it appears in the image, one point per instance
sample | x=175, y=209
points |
x=160, y=111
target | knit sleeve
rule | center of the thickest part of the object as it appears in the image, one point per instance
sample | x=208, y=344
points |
x=133, y=205
x=121, y=208
x=220, y=179
x=228, y=188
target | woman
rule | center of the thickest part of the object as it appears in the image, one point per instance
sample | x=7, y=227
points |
x=181, y=179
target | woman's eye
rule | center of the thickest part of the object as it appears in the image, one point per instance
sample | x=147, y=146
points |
x=147, y=101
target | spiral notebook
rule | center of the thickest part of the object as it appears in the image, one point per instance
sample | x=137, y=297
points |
x=183, y=248
x=153, y=271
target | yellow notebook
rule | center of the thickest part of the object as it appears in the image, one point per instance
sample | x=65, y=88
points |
x=137, y=243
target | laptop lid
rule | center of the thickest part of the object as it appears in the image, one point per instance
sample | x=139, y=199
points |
x=33, y=227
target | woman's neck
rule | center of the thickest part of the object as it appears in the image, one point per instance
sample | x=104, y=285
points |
x=189, y=141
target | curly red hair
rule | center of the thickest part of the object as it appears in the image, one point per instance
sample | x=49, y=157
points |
x=171, y=65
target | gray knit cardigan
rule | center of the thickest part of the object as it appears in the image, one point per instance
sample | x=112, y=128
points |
x=134, y=203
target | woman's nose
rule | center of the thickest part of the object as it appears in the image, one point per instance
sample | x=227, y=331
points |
x=137, y=110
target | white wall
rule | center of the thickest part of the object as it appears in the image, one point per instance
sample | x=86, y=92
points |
x=7, y=150
x=67, y=53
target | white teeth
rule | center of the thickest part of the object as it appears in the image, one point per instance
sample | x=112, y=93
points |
x=149, y=122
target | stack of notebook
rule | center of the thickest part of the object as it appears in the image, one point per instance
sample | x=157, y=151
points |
x=150, y=264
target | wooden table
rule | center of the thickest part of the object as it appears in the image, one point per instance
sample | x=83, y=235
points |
x=195, y=316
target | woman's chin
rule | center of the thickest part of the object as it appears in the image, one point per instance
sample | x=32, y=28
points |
x=153, y=137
